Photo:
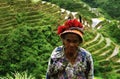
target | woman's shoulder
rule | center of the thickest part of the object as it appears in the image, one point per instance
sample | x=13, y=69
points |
x=57, y=52
x=85, y=51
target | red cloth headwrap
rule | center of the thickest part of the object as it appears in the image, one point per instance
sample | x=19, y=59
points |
x=68, y=24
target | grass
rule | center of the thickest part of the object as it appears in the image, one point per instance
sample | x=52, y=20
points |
x=17, y=75
x=97, y=78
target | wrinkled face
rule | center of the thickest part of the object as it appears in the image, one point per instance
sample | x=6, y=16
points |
x=71, y=42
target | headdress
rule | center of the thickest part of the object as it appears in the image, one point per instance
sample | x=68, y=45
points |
x=71, y=26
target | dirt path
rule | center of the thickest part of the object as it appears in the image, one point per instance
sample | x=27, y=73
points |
x=115, y=52
x=96, y=38
x=108, y=42
x=95, y=22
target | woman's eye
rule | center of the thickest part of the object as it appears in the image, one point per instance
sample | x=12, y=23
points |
x=68, y=40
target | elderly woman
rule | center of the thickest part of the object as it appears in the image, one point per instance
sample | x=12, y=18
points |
x=70, y=61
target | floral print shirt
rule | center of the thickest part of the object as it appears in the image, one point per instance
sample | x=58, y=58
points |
x=60, y=68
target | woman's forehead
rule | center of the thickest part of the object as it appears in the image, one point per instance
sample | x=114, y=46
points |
x=71, y=36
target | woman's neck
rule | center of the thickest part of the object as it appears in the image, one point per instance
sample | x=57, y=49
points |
x=71, y=56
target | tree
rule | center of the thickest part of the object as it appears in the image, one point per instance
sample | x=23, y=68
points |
x=112, y=7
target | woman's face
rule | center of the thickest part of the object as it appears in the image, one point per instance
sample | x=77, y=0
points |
x=71, y=42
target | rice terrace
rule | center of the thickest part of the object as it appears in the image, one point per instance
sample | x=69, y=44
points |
x=28, y=36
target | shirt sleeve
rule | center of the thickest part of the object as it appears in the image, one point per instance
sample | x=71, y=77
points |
x=91, y=72
x=54, y=65
x=89, y=61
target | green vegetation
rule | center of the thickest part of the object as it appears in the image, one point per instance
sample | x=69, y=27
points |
x=27, y=48
x=111, y=7
x=75, y=6
x=17, y=75
x=28, y=36
x=113, y=32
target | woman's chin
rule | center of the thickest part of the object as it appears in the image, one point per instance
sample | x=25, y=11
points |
x=71, y=54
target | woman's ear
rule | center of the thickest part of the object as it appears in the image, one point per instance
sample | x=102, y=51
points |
x=63, y=41
x=81, y=43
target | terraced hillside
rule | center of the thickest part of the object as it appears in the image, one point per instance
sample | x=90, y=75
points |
x=105, y=53
x=14, y=14
x=19, y=12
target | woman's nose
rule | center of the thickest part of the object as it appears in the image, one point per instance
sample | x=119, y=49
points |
x=71, y=44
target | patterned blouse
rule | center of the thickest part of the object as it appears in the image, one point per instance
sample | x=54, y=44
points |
x=60, y=68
